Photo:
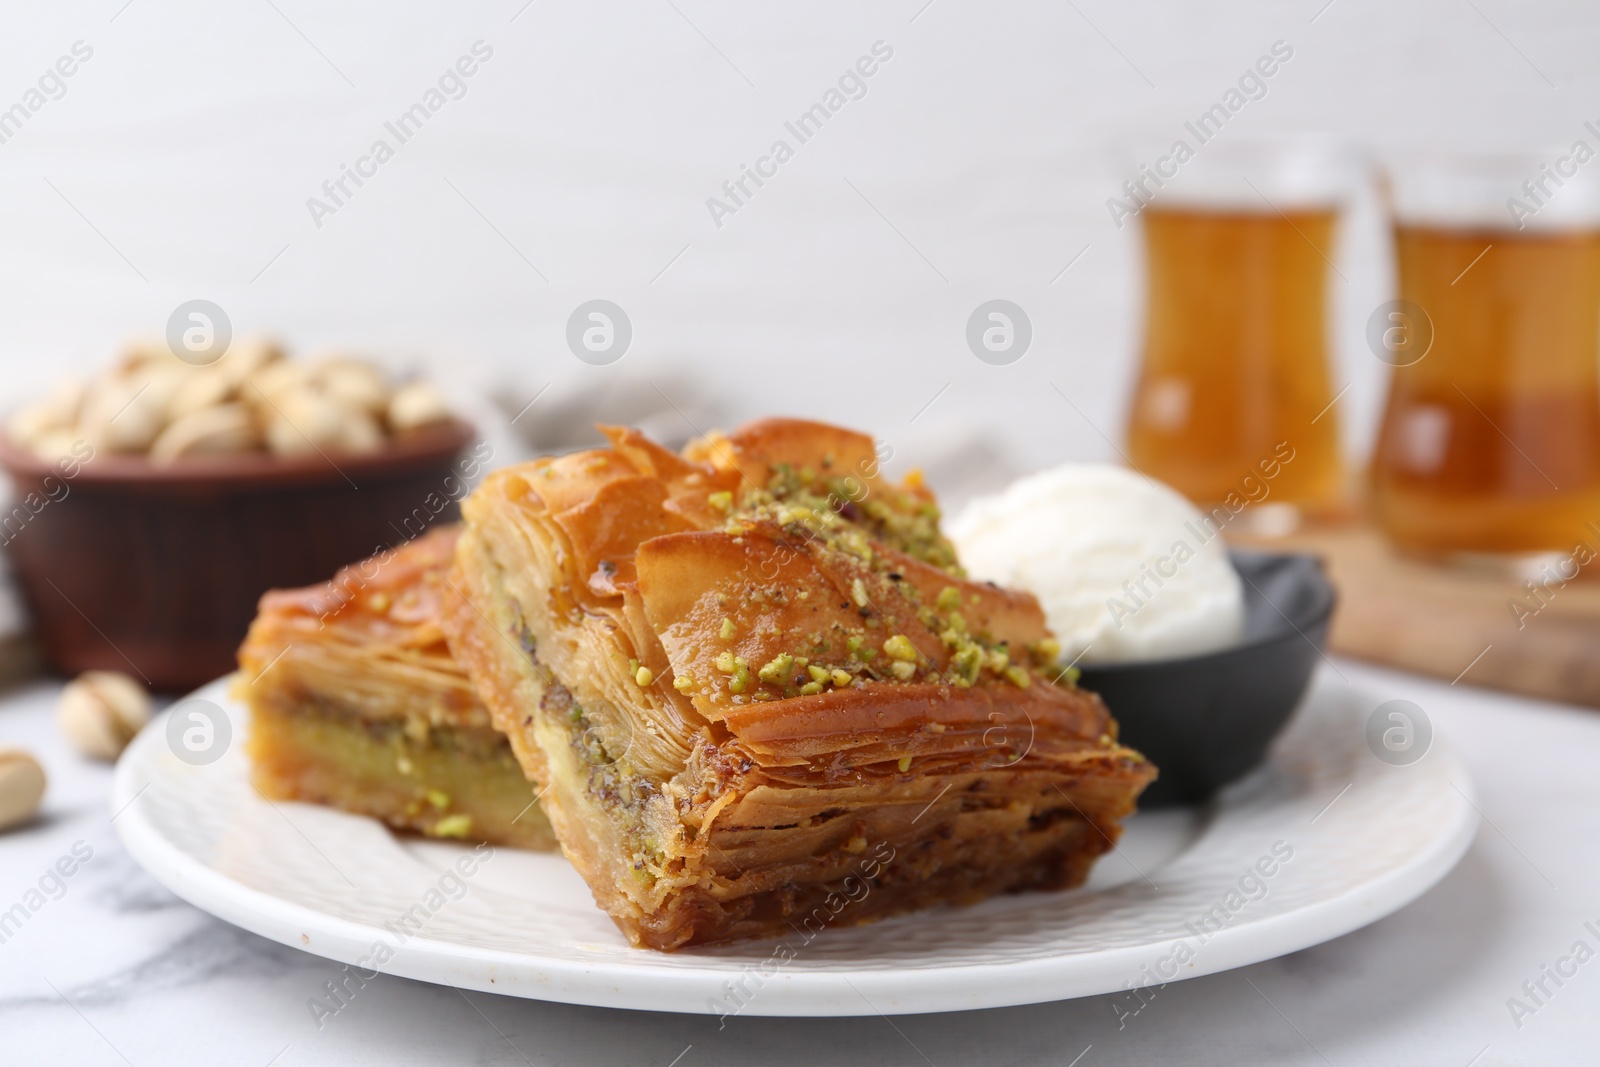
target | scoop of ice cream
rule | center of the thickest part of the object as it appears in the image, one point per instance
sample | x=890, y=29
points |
x=1125, y=568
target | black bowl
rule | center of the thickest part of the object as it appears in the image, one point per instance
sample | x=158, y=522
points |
x=1206, y=720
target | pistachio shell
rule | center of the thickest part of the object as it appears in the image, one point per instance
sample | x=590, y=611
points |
x=53, y=445
x=218, y=430
x=271, y=381
x=22, y=785
x=354, y=383
x=101, y=711
x=125, y=414
x=31, y=423
x=206, y=388
x=303, y=421
x=142, y=351
x=57, y=412
x=417, y=404
x=360, y=433
x=248, y=356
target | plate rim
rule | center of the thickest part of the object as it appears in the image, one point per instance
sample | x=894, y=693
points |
x=787, y=993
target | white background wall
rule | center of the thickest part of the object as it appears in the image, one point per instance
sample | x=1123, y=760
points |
x=592, y=139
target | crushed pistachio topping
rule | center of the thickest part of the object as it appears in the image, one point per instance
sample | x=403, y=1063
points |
x=838, y=514
x=778, y=670
x=644, y=675
x=965, y=665
x=856, y=844
x=899, y=647
x=722, y=501
x=848, y=512
x=904, y=764
x=378, y=602
x=737, y=666
x=438, y=798
x=683, y=682
x=457, y=825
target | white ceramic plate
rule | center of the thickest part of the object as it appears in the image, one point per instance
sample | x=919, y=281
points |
x=1347, y=838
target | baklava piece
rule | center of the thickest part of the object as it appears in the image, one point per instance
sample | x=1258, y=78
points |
x=356, y=702
x=765, y=696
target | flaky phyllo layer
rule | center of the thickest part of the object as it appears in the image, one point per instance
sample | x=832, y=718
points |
x=742, y=668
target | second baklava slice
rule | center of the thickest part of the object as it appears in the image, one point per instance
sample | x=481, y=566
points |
x=356, y=702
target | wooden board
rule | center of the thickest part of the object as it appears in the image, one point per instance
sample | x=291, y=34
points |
x=1455, y=624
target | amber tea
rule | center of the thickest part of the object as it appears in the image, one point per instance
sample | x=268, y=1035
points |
x=1491, y=441
x=1235, y=362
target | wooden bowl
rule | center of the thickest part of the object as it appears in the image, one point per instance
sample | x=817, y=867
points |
x=156, y=570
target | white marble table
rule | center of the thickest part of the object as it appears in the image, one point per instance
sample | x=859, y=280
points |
x=117, y=970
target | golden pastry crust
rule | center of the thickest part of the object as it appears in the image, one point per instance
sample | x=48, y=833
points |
x=357, y=702
x=755, y=676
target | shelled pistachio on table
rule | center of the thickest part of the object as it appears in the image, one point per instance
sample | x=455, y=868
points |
x=253, y=399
